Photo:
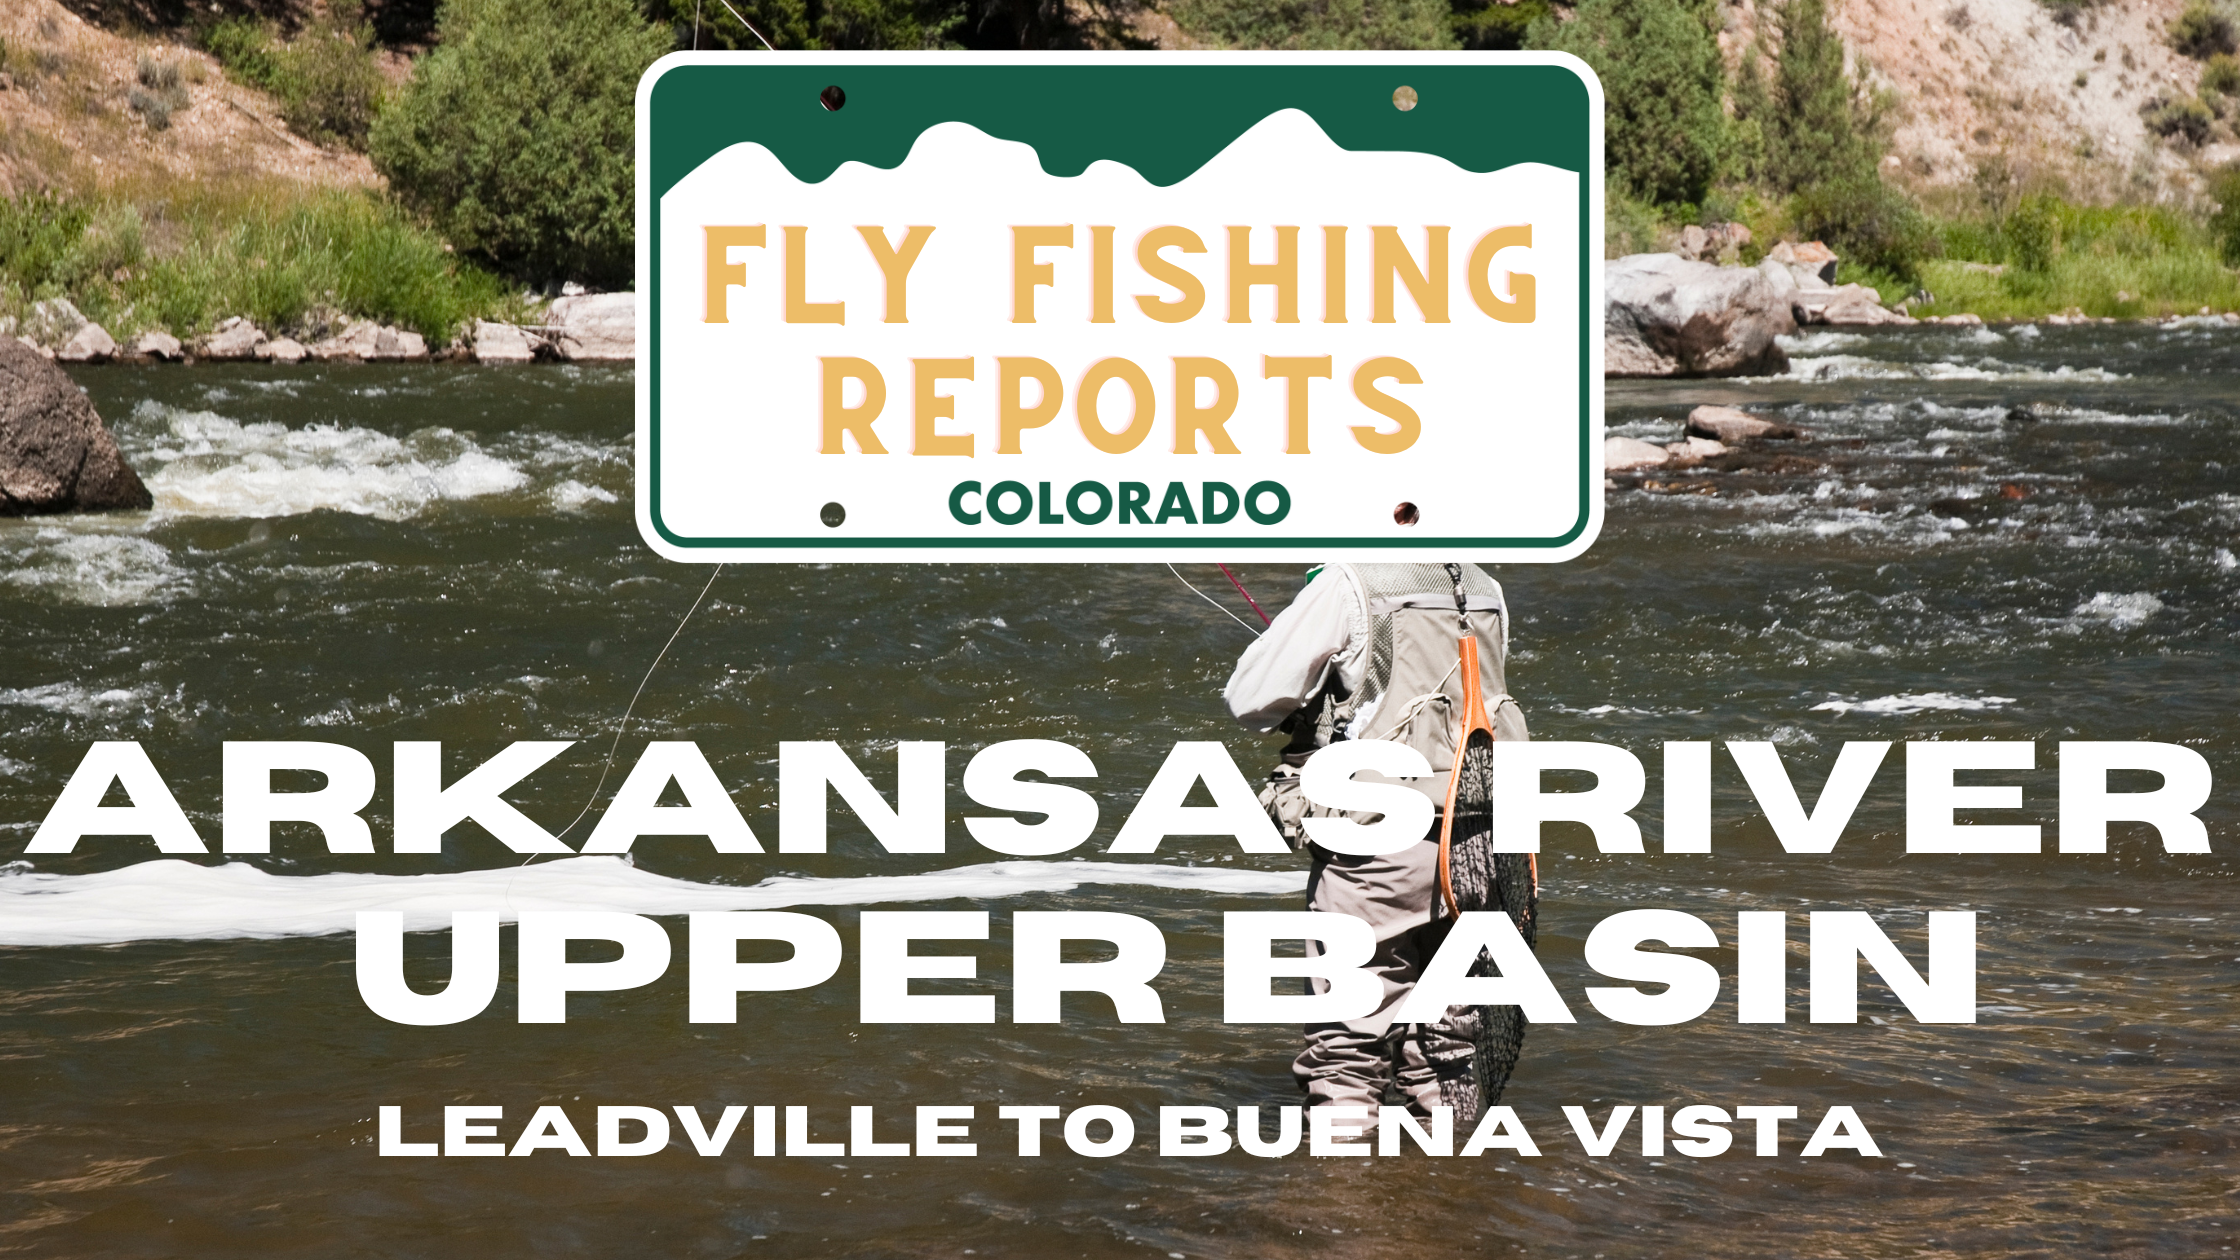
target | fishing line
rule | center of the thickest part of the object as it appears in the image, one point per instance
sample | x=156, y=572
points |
x=608, y=769
x=1215, y=602
x=751, y=31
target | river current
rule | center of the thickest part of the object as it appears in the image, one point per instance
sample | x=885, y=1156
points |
x=2007, y=533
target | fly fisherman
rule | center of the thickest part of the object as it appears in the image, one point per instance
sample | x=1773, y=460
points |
x=1369, y=651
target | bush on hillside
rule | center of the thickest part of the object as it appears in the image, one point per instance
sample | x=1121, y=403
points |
x=2204, y=30
x=1819, y=125
x=810, y=24
x=1665, y=133
x=2185, y=118
x=1318, y=25
x=2220, y=75
x=516, y=135
x=327, y=82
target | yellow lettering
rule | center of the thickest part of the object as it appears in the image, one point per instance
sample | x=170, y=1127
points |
x=1100, y=275
x=1093, y=381
x=1026, y=273
x=895, y=263
x=722, y=272
x=1193, y=297
x=1282, y=274
x=1520, y=309
x=1365, y=380
x=1333, y=275
x=799, y=309
x=925, y=439
x=1427, y=284
x=1296, y=373
x=1014, y=417
x=1190, y=419
x=840, y=418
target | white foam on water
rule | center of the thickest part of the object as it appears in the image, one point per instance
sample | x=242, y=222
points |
x=2118, y=611
x=1846, y=367
x=216, y=466
x=1918, y=702
x=92, y=565
x=2225, y=561
x=572, y=495
x=75, y=699
x=177, y=900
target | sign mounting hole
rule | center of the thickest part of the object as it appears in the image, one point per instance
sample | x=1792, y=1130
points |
x=1403, y=98
x=832, y=514
x=832, y=98
x=1405, y=514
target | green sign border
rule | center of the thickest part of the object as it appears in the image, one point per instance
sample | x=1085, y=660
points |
x=1165, y=117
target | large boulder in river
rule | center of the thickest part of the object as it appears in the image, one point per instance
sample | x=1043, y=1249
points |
x=1666, y=316
x=55, y=455
x=594, y=327
x=1732, y=424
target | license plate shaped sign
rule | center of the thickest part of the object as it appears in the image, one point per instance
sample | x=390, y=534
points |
x=1119, y=307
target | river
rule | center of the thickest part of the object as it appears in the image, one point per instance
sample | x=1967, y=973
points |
x=2008, y=533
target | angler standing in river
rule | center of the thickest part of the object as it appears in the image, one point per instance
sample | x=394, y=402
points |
x=1369, y=651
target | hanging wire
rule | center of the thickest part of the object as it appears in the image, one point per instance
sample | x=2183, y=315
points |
x=1211, y=600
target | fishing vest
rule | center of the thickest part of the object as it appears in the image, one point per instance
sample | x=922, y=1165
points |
x=1411, y=689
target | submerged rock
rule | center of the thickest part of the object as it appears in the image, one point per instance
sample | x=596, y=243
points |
x=596, y=327
x=1731, y=425
x=1667, y=316
x=55, y=454
x=236, y=338
x=90, y=344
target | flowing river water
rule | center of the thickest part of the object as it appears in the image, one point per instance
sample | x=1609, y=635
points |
x=2017, y=534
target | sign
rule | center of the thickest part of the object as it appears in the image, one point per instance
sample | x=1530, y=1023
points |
x=1282, y=307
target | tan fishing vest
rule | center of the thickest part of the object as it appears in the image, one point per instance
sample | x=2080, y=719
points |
x=1411, y=689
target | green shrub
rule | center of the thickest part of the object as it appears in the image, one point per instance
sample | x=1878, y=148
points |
x=2203, y=30
x=160, y=93
x=1496, y=24
x=516, y=135
x=243, y=48
x=1665, y=132
x=2186, y=118
x=2224, y=223
x=1318, y=25
x=2069, y=12
x=2032, y=235
x=327, y=82
x=329, y=86
x=1871, y=225
x=2221, y=75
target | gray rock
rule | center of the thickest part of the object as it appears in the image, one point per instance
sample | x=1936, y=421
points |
x=285, y=350
x=1850, y=306
x=236, y=338
x=1666, y=316
x=1731, y=425
x=357, y=340
x=157, y=345
x=1810, y=258
x=1624, y=454
x=502, y=343
x=597, y=327
x=52, y=323
x=90, y=344
x=392, y=344
x=55, y=455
